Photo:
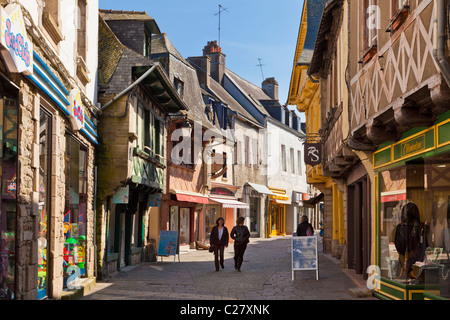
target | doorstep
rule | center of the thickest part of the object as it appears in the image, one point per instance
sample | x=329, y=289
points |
x=87, y=285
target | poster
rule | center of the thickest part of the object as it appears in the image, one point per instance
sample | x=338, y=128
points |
x=305, y=254
x=154, y=200
x=168, y=242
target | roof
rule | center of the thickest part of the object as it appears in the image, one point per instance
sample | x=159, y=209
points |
x=325, y=35
x=119, y=66
x=176, y=66
x=252, y=91
x=122, y=15
x=307, y=35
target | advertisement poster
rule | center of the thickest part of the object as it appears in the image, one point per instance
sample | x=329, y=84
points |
x=304, y=254
x=121, y=196
x=168, y=243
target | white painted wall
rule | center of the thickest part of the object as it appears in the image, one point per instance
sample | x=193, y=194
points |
x=277, y=135
x=67, y=47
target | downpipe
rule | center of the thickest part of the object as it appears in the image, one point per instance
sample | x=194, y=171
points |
x=439, y=39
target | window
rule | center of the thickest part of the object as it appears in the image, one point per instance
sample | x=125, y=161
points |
x=299, y=163
x=150, y=131
x=81, y=29
x=50, y=20
x=247, y=150
x=44, y=196
x=370, y=16
x=399, y=13
x=148, y=44
x=283, y=158
x=75, y=220
x=255, y=155
x=292, y=160
x=179, y=86
x=8, y=169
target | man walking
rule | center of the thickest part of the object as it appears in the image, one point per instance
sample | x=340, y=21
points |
x=305, y=229
x=240, y=234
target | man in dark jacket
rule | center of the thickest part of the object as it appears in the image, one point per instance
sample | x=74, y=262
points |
x=240, y=234
x=305, y=228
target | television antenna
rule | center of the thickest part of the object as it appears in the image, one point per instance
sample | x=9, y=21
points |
x=219, y=13
x=260, y=65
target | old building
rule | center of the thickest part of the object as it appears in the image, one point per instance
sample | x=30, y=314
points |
x=398, y=126
x=247, y=158
x=48, y=143
x=185, y=200
x=136, y=97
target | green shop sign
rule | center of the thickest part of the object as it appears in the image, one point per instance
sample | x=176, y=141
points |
x=429, y=139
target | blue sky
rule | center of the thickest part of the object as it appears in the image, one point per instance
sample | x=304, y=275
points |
x=250, y=29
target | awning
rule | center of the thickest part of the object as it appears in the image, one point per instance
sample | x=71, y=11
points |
x=260, y=188
x=190, y=196
x=228, y=203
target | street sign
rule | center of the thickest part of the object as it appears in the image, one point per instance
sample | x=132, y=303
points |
x=304, y=255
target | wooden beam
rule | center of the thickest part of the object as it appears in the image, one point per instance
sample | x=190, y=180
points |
x=379, y=133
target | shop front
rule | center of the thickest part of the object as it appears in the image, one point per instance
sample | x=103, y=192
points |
x=413, y=214
x=185, y=213
x=255, y=195
x=278, y=203
x=8, y=206
x=222, y=203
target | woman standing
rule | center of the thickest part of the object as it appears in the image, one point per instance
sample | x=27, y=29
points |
x=240, y=234
x=219, y=241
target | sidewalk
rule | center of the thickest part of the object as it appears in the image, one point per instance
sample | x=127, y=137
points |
x=266, y=275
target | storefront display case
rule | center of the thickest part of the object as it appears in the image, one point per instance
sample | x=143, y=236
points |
x=413, y=215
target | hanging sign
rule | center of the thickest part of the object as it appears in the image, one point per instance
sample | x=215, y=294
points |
x=13, y=37
x=76, y=110
x=121, y=196
x=313, y=153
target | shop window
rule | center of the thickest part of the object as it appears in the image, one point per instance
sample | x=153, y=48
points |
x=8, y=169
x=254, y=209
x=211, y=215
x=75, y=211
x=44, y=196
x=180, y=221
x=415, y=221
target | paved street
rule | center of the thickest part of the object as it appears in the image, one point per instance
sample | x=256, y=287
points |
x=265, y=275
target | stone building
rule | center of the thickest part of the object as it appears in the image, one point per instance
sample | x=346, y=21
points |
x=48, y=141
x=136, y=98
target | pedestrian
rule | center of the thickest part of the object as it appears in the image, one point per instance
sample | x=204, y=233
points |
x=240, y=234
x=305, y=228
x=219, y=241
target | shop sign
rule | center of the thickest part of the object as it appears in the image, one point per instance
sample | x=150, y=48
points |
x=412, y=146
x=76, y=110
x=154, y=200
x=313, y=153
x=14, y=38
x=222, y=191
x=121, y=196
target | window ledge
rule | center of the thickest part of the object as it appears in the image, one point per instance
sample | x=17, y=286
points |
x=369, y=54
x=52, y=27
x=398, y=19
x=154, y=160
x=82, y=71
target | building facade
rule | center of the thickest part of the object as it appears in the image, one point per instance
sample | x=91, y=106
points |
x=48, y=148
x=136, y=98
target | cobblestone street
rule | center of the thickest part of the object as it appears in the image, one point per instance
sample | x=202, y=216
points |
x=266, y=275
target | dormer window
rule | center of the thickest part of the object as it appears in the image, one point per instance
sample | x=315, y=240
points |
x=179, y=86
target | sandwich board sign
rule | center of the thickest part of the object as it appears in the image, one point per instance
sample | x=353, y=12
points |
x=168, y=245
x=304, y=255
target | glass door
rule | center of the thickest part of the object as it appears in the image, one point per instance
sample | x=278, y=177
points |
x=185, y=226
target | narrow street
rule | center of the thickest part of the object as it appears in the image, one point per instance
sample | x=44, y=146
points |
x=265, y=275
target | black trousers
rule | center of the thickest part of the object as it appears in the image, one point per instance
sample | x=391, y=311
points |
x=218, y=254
x=239, y=250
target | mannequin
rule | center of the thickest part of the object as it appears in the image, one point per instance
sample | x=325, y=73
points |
x=439, y=221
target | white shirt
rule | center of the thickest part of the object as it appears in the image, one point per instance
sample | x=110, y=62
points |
x=220, y=233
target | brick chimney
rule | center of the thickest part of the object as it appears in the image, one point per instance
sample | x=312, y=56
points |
x=270, y=87
x=214, y=52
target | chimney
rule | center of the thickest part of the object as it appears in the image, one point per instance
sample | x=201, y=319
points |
x=270, y=87
x=203, y=67
x=214, y=52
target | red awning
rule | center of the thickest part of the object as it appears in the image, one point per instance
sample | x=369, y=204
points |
x=189, y=198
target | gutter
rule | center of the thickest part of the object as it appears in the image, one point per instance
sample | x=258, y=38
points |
x=439, y=39
x=134, y=84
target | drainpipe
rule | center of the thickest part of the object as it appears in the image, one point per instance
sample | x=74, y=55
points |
x=145, y=75
x=439, y=40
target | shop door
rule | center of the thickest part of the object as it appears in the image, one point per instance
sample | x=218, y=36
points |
x=122, y=240
x=276, y=220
